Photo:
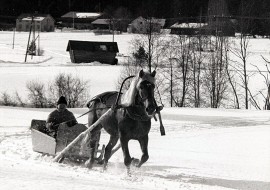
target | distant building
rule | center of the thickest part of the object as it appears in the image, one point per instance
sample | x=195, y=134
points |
x=102, y=24
x=41, y=22
x=79, y=20
x=142, y=25
x=111, y=24
x=88, y=51
x=222, y=27
x=188, y=28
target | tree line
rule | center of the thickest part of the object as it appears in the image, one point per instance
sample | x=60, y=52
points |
x=201, y=70
x=146, y=8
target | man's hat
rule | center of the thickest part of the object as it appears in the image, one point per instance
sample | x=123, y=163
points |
x=62, y=100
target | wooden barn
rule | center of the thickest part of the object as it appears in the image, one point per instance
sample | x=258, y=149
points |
x=88, y=51
x=41, y=22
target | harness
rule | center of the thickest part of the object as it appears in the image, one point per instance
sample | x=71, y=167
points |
x=133, y=113
x=108, y=99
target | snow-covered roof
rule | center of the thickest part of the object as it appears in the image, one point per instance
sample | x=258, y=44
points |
x=101, y=21
x=160, y=21
x=81, y=15
x=35, y=18
x=188, y=25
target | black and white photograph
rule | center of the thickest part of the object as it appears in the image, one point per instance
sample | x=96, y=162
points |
x=135, y=94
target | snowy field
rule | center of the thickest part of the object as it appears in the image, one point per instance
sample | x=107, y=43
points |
x=14, y=73
x=205, y=149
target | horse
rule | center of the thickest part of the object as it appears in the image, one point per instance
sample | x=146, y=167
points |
x=130, y=121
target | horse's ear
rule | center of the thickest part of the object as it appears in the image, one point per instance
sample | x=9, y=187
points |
x=153, y=74
x=141, y=73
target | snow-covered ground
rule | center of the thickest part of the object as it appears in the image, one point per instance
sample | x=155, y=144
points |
x=14, y=73
x=202, y=149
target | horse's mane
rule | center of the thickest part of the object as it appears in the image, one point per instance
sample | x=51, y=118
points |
x=128, y=98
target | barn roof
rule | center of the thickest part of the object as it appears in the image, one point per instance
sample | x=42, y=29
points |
x=37, y=17
x=189, y=25
x=101, y=21
x=159, y=21
x=89, y=45
x=83, y=15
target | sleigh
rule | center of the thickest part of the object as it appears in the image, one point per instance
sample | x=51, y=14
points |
x=44, y=143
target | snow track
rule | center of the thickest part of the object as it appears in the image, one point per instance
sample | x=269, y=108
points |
x=199, y=151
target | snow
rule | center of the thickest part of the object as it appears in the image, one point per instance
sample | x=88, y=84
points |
x=188, y=25
x=208, y=149
x=35, y=18
x=202, y=149
x=87, y=15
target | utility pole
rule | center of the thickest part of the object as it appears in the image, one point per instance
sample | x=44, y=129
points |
x=73, y=20
x=14, y=30
x=113, y=29
x=29, y=39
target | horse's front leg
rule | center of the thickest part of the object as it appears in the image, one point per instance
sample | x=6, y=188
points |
x=127, y=158
x=144, y=147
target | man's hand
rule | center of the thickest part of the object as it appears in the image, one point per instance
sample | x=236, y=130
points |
x=50, y=126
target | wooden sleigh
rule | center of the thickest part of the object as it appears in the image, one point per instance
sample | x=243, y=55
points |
x=43, y=143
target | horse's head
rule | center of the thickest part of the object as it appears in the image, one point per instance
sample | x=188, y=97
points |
x=145, y=88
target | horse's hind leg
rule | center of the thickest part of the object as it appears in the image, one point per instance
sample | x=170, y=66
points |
x=94, y=137
x=144, y=147
x=108, y=150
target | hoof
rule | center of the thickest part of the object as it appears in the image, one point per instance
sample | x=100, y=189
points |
x=88, y=164
x=100, y=162
x=135, y=162
x=105, y=165
x=105, y=168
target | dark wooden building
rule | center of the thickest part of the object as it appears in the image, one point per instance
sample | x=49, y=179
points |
x=88, y=51
x=79, y=20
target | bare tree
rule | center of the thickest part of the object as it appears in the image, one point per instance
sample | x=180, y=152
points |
x=215, y=78
x=73, y=88
x=176, y=69
x=241, y=51
x=266, y=76
x=6, y=99
x=36, y=94
x=197, y=58
x=168, y=70
x=151, y=41
x=230, y=73
x=19, y=99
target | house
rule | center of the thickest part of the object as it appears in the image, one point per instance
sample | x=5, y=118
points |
x=142, y=25
x=79, y=20
x=102, y=24
x=41, y=22
x=111, y=24
x=215, y=26
x=89, y=51
x=188, y=28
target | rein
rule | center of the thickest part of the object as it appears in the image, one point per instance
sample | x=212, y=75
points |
x=114, y=107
